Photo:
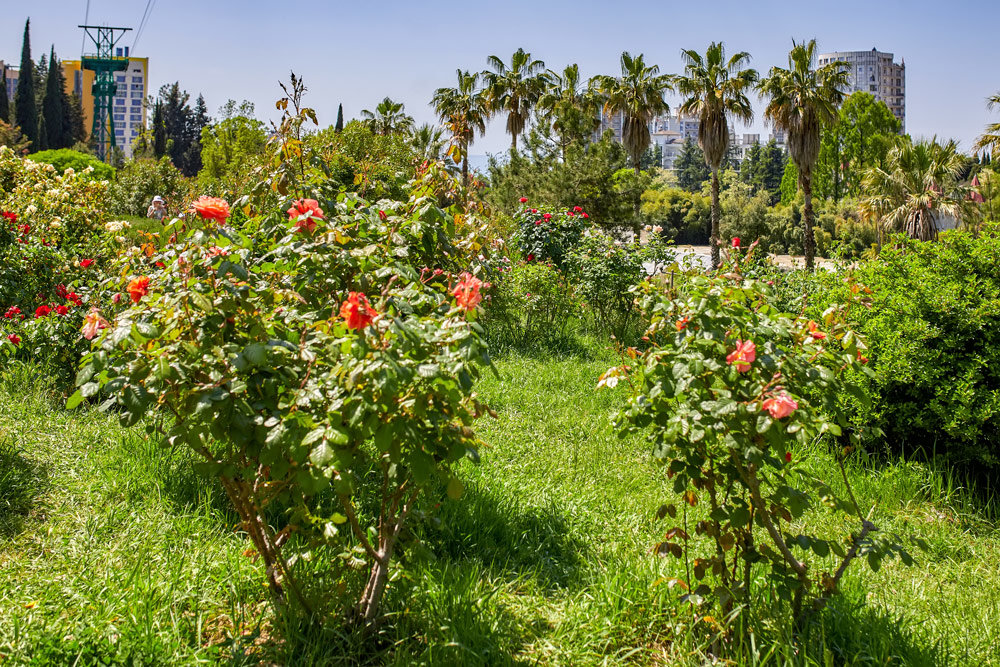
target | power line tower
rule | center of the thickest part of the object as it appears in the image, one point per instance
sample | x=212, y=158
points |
x=104, y=64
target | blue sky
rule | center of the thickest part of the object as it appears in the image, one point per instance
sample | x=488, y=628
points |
x=357, y=52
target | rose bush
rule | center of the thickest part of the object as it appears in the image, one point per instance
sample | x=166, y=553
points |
x=728, y=391
x=549, y=234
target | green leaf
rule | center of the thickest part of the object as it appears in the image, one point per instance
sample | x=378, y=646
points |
x=455, y=488
x=321, y=455
x=89, y=389
x=74, y=400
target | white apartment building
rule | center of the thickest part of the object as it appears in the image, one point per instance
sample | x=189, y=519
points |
x=874, y=72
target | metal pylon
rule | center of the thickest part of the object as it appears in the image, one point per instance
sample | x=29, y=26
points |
x=104, y=64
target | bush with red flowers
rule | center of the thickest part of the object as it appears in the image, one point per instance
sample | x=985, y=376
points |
x=548, y=234
x=310, y=360
x=730, y=391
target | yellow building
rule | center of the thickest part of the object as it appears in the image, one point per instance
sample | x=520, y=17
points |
x=129, y=104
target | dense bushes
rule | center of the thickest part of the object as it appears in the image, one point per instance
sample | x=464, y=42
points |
x=142, y=179
x=64, y=159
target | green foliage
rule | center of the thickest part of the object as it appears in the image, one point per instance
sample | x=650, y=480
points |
x=933, y=326
x=605, y=270
x=729, y=393
x=363, y=161
x=686, y=217
x=530, y=304
x=142, y=179
x=230, y=149
x=861, y=137
x=549, y=234
x=690, y=165
x=25, y=109
x=65, y=158
x=789, y=183
x=764, y=169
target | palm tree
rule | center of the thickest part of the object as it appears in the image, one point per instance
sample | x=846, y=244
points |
x=638, y=96
x=463, y=110
x=990, y=141
x=514, y=89
x=428, y=142
x=572, y=107
x=801, y=100
x=388, y=118
x=918, y=184
x=714, y=89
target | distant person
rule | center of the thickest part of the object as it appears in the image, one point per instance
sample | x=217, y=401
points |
x=158, y=209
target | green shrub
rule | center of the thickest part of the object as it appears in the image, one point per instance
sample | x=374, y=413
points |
x=605, y=270
x=528, y=303
x=142, y=179
x=934, y=331
x=549, y=234
x=64, y=159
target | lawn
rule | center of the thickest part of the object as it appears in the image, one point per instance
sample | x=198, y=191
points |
x=112, y=551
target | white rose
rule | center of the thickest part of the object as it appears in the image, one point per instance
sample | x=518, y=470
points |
x=69, y=171
x=657, y=229
x=31, y=210
x=55, y=224
x=120, y=239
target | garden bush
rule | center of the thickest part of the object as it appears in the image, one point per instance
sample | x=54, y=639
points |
x=549, y=234
x=727, y=391
x=604, y=271
x=529, y=304
x=65, y=158
x=141, y=179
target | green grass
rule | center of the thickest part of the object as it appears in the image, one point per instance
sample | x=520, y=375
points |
x=111, y=551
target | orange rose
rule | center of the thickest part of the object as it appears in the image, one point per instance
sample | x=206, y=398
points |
x=356, y=311
x=212, y=208
x=138, y=288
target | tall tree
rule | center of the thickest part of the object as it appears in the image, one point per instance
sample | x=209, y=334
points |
x=159, y=131
x=919, y=184
x=76, y=121
x=715, y=90
x=690, y=167
x=463, y=109
x=861, y=137
x=339, y=127
x=638, y=96
x=801, y=101
x=428, y=142
x=199, y=120
x=990, y=140
x=25, y=111
x=570, y=106
x=54, y=106
x=514, y=89
x=4, y=106
x=389, y=117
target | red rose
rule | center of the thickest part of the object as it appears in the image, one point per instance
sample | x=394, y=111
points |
x=788, y=457
x=538, y=222
x=466, y=292
x=61, y=310
x=117, y=298
x=736, y=241
x=14, y=338
x=304, y=213
x=546, y=216
x=356, y=311
x=578, y=209
x=585, y=216
x=12, y=312
x=382, y=215
x=85, y=263
x=523, y=200
x=531, y=258
x=42, y=311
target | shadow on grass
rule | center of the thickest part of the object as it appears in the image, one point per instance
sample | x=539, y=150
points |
x=22, y=482
x=505, y=537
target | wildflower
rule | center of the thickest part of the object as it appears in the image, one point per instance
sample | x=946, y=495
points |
x=780, y=406
x=682, y=323
x=85, y=263
x=356, y=311
x=14, y=338
x=466, y=292
x=138, y=288
x=744, y=355
x=42, y=311
x=92, y=324
x=736, y=241
x=523, y=200
x=61, y=310
x=305, y=212
x=212, y=208
x=815, y=332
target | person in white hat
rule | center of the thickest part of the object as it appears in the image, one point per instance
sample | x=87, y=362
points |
x=158, y=209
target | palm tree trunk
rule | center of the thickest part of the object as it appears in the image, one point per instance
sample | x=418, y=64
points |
x=465, y=167
x=808, y=240
x=714, y=240
x=513, y=143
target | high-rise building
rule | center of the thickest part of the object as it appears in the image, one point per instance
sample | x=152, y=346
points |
x=874, y=72
x=129, y=104
x=12, y=73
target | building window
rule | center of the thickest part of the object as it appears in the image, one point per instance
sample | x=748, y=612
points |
x=135, y=117
x=120, y=79
x=873, y=88
x=136, y=93
x=119, y=101
x=135, y=103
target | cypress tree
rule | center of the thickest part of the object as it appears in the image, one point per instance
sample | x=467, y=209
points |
x=43, y=135
x=53, y=107
x=339, y=127
x=4, y=107
x=159, y=131
x=74, y=115
x=25, y=112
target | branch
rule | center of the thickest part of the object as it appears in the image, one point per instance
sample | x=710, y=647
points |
x=356, y=527
x=765, y=517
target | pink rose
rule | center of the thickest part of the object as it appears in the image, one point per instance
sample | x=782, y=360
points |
x=780, y=406
x=744, y=355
